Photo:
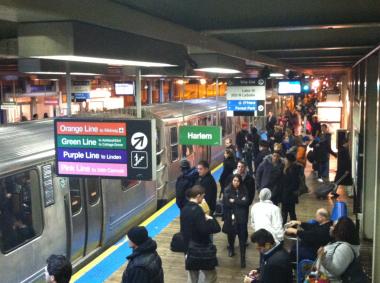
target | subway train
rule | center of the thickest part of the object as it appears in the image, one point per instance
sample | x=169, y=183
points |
x=42, y=213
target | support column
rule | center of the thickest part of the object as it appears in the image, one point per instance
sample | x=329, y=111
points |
x=138, y=92
x=375, y=170
x=370, y=159
x=162, y=96
x=150, y=92
x=68, y=89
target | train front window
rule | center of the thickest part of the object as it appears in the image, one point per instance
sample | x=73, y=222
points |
x=20, y=210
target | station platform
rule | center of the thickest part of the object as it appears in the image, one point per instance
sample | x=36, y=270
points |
x=110, y=265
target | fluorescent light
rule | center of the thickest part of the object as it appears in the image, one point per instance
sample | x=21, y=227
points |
x=218, y=70
x=275, y=75
x=202, y=81
x=193, y=77
x=63, y=73
x=238, y=77
x=107, y=61
x=180, y=82
x=153, y=76
x=287, y=70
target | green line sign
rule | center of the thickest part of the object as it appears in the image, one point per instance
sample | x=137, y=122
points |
x=91, y=142
x=200, y=135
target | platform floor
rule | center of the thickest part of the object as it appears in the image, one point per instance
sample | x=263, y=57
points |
x=229, y=270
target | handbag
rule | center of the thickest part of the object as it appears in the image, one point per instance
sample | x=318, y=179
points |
x=315, y=275
x=201, y=256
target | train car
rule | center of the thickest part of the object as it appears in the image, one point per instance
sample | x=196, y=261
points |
x=43, y=214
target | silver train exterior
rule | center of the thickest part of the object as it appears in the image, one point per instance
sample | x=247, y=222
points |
x=81, y=217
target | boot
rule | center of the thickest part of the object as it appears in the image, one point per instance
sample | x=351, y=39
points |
x=231, y=251
x=242, y=257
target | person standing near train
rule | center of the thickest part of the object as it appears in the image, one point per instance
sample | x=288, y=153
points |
x=207, y=181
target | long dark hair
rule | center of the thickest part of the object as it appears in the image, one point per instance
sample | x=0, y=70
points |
x=345, y=231
x=240, y=180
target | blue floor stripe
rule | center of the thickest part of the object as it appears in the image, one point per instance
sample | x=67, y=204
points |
x=115, y=260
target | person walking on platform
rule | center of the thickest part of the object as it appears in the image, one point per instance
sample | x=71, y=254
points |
x=248, y=152
x=184, y=182
x=275, y=266
x=248, y=181
x=270, y=123
x=206, y=180
x=323, y=156
x=290, y=186
x=269, y=175
x=58, y=269
x=344, y=167
x=230, y=146
x=229, y=165
x=240, y=140
x=255, y=141
x=196, y=228
x=266, y=215
x=263, y=151
x=235, y=216
x=144, y=264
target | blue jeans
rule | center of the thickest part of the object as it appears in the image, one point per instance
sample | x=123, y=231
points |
x=324, y=168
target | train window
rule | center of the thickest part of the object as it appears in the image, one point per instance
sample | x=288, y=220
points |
x=174, y=143
x=20, y=210
x=187, y=150
x=126, y=184
x=93, y=190
x=75, y=195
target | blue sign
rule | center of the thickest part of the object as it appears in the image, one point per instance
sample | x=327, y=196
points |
x=82, y=95
x=241, y=105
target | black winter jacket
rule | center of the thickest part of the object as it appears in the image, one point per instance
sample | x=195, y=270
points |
x=344, y=165
x=270, y=176
x=276, y=266
x=260, y=157
x=194, y=225
x=238, y=208
x=229, y=166
x=184, y=182
x=290, y=184
x=144, y=265
x=211, y=191
x=314, y=235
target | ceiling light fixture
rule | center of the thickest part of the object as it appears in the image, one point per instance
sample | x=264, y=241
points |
x=63, y=73
x=218, y=70
x=276, y=75
x=108, y=61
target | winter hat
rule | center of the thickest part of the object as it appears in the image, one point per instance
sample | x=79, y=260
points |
x=265, y=194
x=291, y=157
x=184, y=163
x=138, y=235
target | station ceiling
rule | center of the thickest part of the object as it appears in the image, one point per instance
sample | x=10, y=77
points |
x=298, y=33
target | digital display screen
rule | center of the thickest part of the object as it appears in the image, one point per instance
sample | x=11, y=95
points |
x=125, y=88
x=289, y=87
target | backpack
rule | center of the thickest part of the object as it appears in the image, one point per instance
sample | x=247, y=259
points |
x=354, y=272
x=183, y=183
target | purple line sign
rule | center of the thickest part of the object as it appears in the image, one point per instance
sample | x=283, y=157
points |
x=92, y=155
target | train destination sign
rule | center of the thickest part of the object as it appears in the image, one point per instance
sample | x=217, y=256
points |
x=105, y=148
x=245, y=97
x=200, y=135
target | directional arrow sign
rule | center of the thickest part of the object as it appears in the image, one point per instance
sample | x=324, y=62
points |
x=139, y=141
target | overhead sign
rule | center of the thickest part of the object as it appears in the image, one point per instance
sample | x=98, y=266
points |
x=81, y=89
x=246, y=97
x=106, y=148
x=200, y=135
x=8, y=105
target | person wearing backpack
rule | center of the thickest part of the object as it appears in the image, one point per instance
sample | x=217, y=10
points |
x=339, y=260
x=184, y=182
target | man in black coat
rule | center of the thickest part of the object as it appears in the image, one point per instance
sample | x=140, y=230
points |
x=344, y=168
x=184, y=182
x=206, y=180
x=275, y=265
x=270, y=123
x=144, y=264
x=197, y=227
x=312, y=235
x=240, y=139
x=269, y=175
x=263, y=151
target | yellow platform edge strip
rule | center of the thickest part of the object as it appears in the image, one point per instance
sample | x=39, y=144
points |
x=113, y=248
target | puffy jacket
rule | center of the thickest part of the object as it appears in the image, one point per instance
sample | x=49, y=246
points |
x=269, y=176
x=144, y=265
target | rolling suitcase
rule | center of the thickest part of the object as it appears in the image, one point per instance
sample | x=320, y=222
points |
x=328, y=187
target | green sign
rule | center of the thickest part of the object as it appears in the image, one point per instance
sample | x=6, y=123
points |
x=200, y=135
x=92, y=142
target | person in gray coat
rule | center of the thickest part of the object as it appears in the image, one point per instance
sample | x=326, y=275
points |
x=335, y=257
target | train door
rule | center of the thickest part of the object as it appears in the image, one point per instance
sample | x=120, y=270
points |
x=204, y=151
x=86, y=216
